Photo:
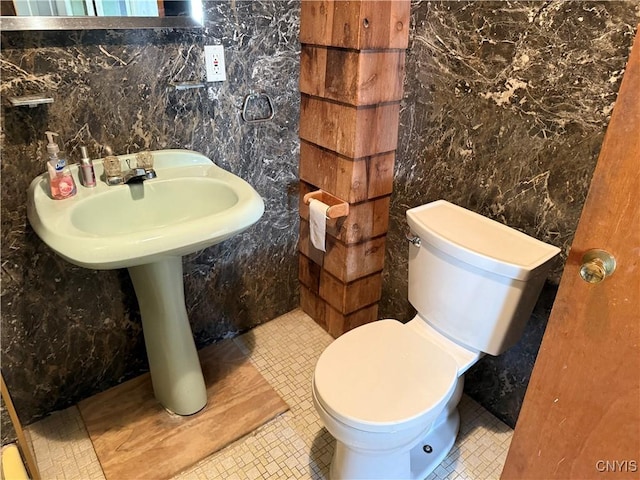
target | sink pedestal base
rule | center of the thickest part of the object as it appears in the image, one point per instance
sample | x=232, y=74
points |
x=176, y=373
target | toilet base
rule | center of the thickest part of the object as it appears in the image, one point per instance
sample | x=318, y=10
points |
x=440, y=439
x=415, y=464
x=348, y=464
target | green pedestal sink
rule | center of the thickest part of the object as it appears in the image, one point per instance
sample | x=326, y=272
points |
x=146, y=228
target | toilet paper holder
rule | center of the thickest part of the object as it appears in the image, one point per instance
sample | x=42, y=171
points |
x=337, y=208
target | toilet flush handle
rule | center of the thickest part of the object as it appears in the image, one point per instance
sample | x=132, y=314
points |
x=413, y=239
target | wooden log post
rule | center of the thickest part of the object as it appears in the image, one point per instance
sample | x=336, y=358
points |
x=351, y=82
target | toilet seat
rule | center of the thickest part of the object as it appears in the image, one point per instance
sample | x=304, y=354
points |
x=382, y=376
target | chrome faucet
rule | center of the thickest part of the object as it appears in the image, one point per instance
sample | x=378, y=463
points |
x=138, y=175
x=141, y=172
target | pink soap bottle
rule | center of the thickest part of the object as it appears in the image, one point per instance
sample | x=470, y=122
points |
x=61, y=181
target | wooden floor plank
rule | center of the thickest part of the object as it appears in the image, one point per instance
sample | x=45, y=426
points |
x=134, y=437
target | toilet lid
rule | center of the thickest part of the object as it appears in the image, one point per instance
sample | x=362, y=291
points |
x=383, y=374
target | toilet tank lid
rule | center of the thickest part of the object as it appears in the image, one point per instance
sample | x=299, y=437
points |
x=478, y=240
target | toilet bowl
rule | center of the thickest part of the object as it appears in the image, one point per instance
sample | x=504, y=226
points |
x=375, y=410
x=388, y=391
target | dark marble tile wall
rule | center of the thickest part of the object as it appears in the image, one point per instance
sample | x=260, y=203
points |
x=506, y=105
x=69, y=332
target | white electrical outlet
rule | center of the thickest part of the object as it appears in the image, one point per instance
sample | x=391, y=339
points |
x=214, y=63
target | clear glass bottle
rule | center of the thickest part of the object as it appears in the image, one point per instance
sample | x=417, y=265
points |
x=86, y=167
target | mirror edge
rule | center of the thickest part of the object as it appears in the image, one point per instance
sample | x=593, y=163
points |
x=95, y=23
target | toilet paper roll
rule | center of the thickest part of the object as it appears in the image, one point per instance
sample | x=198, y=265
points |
x=318, y=223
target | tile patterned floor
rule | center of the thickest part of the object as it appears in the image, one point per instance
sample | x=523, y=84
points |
x=294, y=445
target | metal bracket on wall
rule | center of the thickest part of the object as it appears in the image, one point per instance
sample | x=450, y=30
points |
x=187, y=85
x=254, y=98
x=30, y=101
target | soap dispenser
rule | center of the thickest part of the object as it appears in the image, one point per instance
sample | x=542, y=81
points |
x=61, y=181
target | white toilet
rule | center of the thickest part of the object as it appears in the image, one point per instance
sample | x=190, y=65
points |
x=388, y=391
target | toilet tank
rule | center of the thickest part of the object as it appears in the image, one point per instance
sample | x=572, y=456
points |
x=473, y=279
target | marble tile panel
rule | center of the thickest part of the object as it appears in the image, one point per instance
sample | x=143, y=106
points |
x=506, y=105
x=69, y=332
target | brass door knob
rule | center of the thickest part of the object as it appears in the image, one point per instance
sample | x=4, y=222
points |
x=597, y=265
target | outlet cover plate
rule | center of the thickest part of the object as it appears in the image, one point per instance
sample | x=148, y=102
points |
x=214, y=63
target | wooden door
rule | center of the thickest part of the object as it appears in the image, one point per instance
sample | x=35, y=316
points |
x=581, y=413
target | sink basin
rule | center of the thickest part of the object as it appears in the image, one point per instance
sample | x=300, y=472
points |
x=147, y=227
x=192, y=204
x=166, y=203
